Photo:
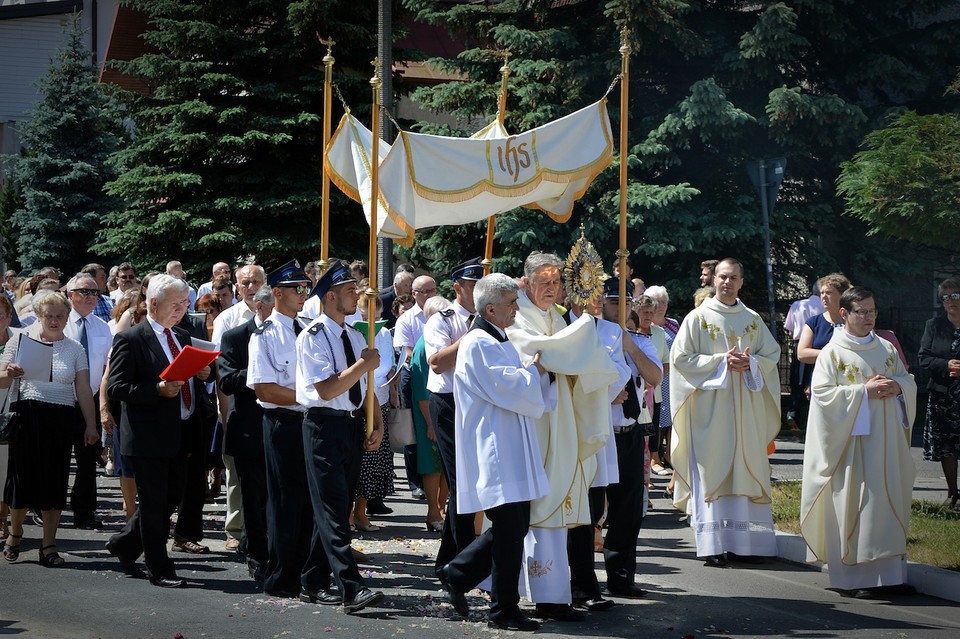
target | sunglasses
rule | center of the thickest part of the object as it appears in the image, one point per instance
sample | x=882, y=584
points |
x=86, y=291
x=950, y=297
x=299, y=289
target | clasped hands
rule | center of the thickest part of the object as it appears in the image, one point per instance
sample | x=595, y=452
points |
x=738, y=361
x=880, y=387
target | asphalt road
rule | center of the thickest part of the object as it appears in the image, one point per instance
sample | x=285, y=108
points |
x=89, y=598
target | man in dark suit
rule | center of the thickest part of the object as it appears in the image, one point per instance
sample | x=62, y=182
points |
x=151, y=426
x=244, y=436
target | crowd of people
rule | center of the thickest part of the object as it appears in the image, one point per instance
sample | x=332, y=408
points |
x=537, y=423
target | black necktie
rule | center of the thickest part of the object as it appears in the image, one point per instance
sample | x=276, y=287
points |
x=356, y=397
x=470, y=319
x=296, y=327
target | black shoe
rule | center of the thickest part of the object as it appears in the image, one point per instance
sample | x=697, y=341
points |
x=594, y=605
x=364, y=598
x=324, y=597
x=168, y=582
x=746, y=559
x=559, y=612
x=127, y=565
x=378, y=508
x=515, y=622
x=628, y=591
x=457, y=598
x=858, y=593
x=715, y=561
x=87, y=522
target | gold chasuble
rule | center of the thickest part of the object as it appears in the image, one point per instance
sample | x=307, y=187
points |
x=857, y=470
x=729, y=426
x=570, y=436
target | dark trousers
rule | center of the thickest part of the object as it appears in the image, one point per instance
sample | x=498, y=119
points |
x=458, y=530
x=332, y=447
x=289, y=515
x=497, y=552
x=159, y=486
x=190, y=509
x=581, y=553
x=252, y=476
x=410, y=450
x=625, y=510
x=83, y=495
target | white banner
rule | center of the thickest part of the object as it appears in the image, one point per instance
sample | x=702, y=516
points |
x=429, y=180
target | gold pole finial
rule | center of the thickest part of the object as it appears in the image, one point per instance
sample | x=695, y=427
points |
x=329, y=42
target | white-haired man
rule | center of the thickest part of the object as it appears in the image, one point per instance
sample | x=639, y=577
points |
x=499, y=469
x=152, y=419
x=569, y=437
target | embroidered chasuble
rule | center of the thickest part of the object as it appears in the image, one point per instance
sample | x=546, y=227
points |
x=570, y=436
x=717, y=420
x=857, y=469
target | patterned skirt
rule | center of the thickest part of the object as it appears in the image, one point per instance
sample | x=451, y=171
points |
x=376, y=466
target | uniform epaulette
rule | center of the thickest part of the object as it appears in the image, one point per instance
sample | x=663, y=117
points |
x=316, y=328
x=263, y=327
x=447, y=312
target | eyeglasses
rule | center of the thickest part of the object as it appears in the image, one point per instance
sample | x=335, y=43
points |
x=950, y=297
x=86, y=291
x=299, y=289
x=862, y=313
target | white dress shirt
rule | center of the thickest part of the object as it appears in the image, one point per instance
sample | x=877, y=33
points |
x=99, y=342
x=158, y=330
x=320, y=356
x=442, y=330
x=273, y=356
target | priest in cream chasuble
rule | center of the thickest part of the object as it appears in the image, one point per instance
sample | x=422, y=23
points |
x=570, y=436
x=725, y=402
x=857, y=469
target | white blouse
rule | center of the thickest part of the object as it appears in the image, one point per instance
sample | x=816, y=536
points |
x=68, y=358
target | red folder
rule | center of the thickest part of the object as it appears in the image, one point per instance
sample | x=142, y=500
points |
x=187, y=364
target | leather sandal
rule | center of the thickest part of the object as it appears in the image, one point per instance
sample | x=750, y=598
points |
x=12, y=553
x=51, y=559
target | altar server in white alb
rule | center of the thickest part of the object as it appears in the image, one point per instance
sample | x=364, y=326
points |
x=857, y=469
x=725, y=402
x=499, y=467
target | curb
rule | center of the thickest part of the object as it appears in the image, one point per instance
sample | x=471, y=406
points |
x=936, y=582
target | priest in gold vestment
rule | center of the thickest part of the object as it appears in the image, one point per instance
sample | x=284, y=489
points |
x=570, y=436
x=725, y=402
x=857, y=470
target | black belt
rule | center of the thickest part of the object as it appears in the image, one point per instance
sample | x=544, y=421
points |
x=333, y=412
x=617, y=430
x=286, y=412
x=444, y=396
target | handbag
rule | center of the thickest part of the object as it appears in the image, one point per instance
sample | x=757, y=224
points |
x=9, y=421
x=400, y=425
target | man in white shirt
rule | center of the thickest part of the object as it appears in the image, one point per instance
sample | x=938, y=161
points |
x=800, y=311
x=332, y=365
x=175, y=268
x=406, y=332
x=220, y=269
x=95, y=337
x=441, y=340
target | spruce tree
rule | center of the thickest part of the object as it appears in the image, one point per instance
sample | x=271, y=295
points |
x=68, y=138
x=10, y=201
x=226, y=159
x=713, y=86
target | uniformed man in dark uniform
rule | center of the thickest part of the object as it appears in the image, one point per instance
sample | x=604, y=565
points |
x=243, y=438
x=332, y=365
x=272, y=375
